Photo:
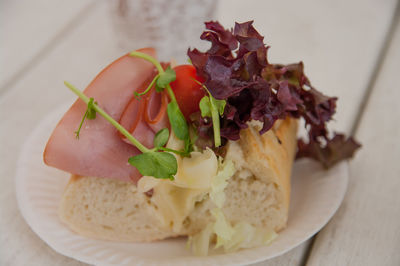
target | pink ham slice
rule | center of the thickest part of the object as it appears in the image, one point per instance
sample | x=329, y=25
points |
x=149, y=112
x=132, y=118
x=155, y=110
x=100, y=151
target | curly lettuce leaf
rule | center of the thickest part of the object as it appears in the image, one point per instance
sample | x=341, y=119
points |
x=236, y=69
x=335, y=150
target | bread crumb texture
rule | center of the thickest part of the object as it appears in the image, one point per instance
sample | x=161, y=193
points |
x=258, y=194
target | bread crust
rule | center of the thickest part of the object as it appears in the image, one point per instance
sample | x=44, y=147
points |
x=271, y=155
x=266, y=160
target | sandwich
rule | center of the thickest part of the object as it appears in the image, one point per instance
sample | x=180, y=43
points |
x=203, y=150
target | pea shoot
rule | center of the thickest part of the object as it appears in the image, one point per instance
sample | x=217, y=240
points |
x=89, y=114
x=175, y=116
x=158, y=161
x=211, y=107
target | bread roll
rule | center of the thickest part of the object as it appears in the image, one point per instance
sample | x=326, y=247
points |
x=258, y=193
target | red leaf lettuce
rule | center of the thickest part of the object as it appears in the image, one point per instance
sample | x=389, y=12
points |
x=236, y=69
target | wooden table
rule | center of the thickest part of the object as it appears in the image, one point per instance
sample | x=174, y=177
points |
x=350, y=49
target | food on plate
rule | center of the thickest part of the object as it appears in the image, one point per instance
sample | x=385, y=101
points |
x=203, y=150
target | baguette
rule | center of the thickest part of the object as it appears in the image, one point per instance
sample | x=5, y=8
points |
x=258, y=193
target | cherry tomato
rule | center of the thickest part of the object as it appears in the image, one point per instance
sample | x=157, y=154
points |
x=187, y=91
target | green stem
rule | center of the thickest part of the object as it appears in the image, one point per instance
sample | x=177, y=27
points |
x=171, y=94
x=148, y=58
x=118, y=126
x=158, y=66
x=80, y=125
x=216, y=125
x=149, y=87
x=174, y=151
x=214, y=116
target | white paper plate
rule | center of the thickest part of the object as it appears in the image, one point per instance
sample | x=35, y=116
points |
x=316, y=195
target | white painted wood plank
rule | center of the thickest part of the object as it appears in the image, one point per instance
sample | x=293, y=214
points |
x=338, y=41
x=26, y=27
x=366, y=229
x=292, y=258
x=331, y=39
x=78, y=58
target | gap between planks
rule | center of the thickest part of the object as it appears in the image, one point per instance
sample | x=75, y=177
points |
x=366, y=98
x=76, y=20
x=378, y=66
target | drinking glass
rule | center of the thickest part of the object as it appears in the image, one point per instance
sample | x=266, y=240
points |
x=170, y=26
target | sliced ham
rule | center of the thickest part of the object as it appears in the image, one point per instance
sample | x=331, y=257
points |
x=100, y=151
x=155, y=110
x=132, y=118
x=149, y=112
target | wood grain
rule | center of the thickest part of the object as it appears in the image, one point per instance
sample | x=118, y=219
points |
x=338, y=41
x=366, y=229
x=294, y=257
x=35, y=94
x=330, y=39
x=29, y=29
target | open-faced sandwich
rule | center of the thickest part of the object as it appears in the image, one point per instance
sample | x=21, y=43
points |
x=203, y=150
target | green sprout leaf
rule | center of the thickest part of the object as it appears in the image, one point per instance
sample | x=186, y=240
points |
x=178, y=121
x=188, y=146
x=181, y=153
x=89, y=114
x=209, y=104
x=176, y=118
x=161, y=165
x=219, y=105
x=161, y=138
x=205, y=106
x=149, y=162
x=211, y=107
x=106, y=116
x=165, y=78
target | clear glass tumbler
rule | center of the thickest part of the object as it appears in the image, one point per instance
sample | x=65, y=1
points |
x=170, y=26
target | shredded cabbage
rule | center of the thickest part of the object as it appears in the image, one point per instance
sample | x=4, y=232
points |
x=219, y=182
x=247, y=236
x=230, y=238
x=242, y=235
x=200, y=242
x=222, y=228
x=198, y=175
x=176, y=198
